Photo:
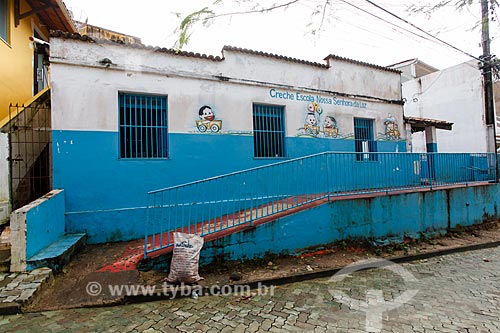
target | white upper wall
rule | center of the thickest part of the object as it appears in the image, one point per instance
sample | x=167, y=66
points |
x=455, y=95
x=191, y=81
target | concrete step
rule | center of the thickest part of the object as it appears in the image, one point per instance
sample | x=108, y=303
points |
x=5, y=250
x=4, y=260
x=57, y=254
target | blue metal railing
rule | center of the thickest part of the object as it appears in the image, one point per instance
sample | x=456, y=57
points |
x=214, y=204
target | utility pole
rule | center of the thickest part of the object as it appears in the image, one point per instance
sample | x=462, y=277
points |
x=486, y=67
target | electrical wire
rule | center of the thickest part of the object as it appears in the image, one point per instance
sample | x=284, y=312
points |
x=423, y=31
x=401, y=30
x=384, y=20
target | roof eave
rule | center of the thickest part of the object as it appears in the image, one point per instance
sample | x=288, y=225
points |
x=361, y=63
x=65, y=13
x=421, y=123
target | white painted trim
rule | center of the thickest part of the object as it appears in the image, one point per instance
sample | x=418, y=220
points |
x=4, y=178
x=18, y=240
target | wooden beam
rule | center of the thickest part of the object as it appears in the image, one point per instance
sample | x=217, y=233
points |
x=17, y=10
x=35, y=11
x=16, y=13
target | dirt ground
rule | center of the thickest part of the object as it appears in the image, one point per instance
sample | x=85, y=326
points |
x=69, y=287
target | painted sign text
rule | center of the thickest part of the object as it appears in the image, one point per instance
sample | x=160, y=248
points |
x=300, y=97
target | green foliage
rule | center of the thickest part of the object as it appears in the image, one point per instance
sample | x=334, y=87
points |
x=186, y=27
x=423, y=237
x=206, y=16
x=322, y=12
x=431, y=7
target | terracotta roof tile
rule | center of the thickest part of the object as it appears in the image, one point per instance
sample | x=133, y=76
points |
x=271, y=55
x=85, y=38
x=357, y=62
x=77, y=36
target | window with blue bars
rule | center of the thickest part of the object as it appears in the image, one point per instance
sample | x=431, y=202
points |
x=143, y=126
x=268, y=131
x=364, y=139
x=4, y=20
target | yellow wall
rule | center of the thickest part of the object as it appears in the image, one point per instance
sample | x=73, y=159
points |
x=16, y=61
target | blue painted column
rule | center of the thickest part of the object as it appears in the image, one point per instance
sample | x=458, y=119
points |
x=430, y=139
x=431, y=145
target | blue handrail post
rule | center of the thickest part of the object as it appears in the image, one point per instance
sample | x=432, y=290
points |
x=250, y=216
x=213, y=204
x=329, y=186
x=146, y=228
x=430, y=166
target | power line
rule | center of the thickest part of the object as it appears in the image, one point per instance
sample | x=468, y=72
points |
x=366, y=30
x=434, y=40
x=421, y=30
x=399, y=29
x=388, y=22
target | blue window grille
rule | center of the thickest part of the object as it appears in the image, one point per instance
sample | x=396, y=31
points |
x=268, y=131
x=143, y=126
x=364, y=139
x=4, y=20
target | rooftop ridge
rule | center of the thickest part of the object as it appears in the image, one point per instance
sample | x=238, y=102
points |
x=85, y=38
x=272, y=55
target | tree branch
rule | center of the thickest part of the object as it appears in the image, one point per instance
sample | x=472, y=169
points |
x=262, y=10
x=327, y=3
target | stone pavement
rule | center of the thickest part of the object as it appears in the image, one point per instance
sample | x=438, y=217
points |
x=18, y=289
x=456, y=293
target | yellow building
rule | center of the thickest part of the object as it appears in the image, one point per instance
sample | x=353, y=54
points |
x=24, y=36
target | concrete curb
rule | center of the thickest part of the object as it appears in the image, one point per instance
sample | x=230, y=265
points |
x=183, y=291
x=9, y=308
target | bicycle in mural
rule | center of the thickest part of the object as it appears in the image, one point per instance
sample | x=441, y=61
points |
x=213, y=126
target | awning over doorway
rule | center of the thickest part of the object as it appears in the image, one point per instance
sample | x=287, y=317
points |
x=419, y=124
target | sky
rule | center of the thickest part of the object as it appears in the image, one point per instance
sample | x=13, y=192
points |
x=350, y=28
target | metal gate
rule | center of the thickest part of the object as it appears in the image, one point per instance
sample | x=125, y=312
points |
x=30, y=158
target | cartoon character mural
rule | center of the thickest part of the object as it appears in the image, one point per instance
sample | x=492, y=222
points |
x=207, y=120
x=311, y=126
x=391, y=128
x=330, y=128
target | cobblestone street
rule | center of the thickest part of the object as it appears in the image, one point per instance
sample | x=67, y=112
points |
x=456, y=293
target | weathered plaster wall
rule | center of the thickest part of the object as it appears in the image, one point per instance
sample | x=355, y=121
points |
x=4, y=178
x=454, y=94
x=106, y=195
x=35, y=226
x=391, y=216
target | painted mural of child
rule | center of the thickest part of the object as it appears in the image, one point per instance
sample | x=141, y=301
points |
x=311, y=122
x=311, y=119
x=207, y=120
x=330, y=122
x=391, y=127
x=206, y=113
x=330, y=127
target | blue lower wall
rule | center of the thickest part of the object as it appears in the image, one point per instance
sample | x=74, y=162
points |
x=390, y=216
x=106, y=196
x=44, y=222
